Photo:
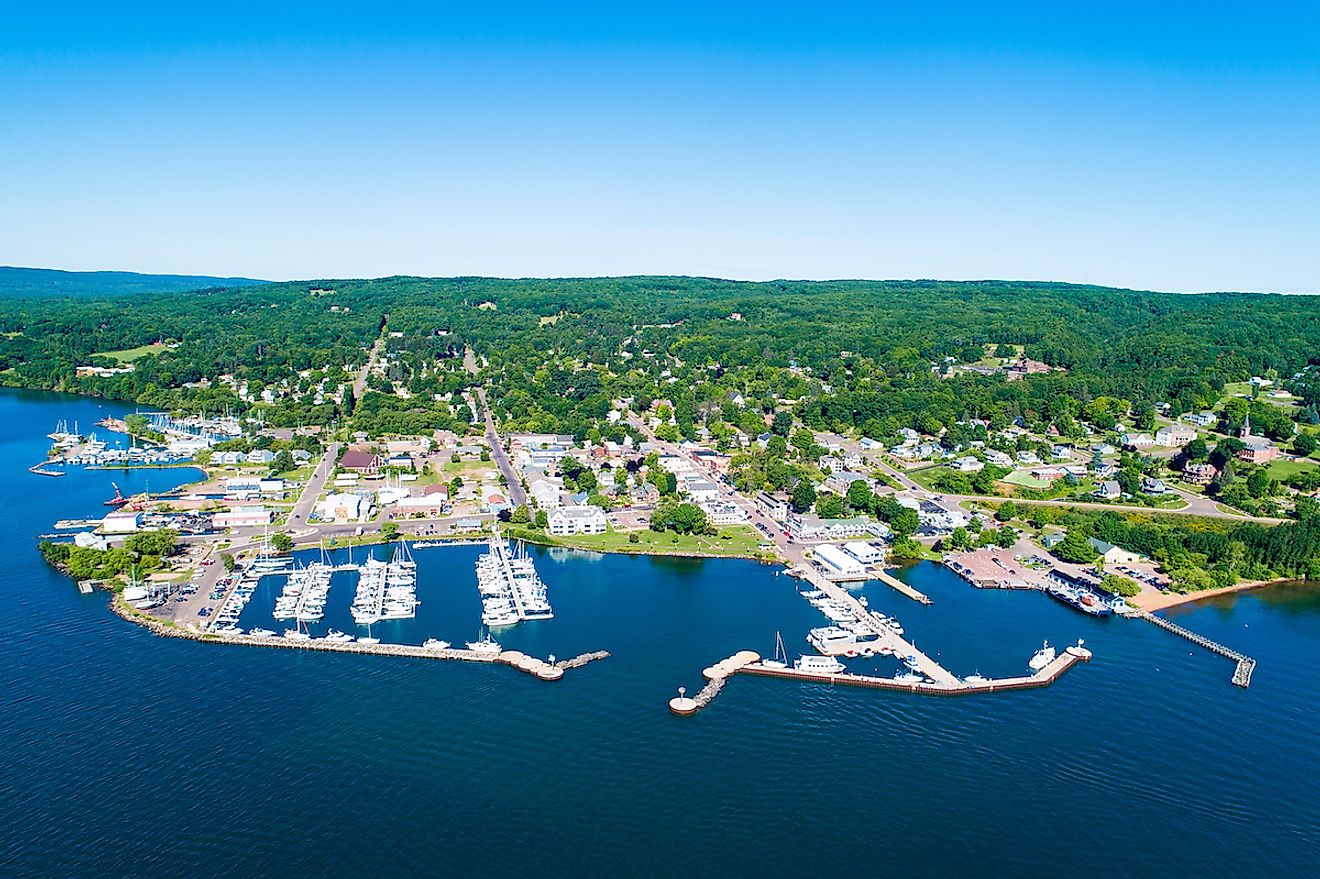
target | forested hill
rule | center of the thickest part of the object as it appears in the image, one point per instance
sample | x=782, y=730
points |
x=16, y=281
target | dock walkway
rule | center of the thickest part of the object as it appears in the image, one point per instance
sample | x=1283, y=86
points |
x=902, y=588
x=1245, y=664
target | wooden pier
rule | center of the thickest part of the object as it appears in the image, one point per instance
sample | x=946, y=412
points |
x=902, y=588
x=1043, y=678
x=1245, y=664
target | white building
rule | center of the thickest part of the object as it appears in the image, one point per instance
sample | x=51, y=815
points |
x=89, y=540
x=241, y=517
x=839, y=565
x=701, y=490
x=865, y=553
x=1176, y=435
x=723, y=513
x=545, y=493
x=121, y=522
x=344, y=508
x=586, y=519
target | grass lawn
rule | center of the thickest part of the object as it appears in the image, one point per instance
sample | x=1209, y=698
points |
x=743, y=540
x=1026, y=480
x=1281, y=469
x=926, y=476
x=128, y=355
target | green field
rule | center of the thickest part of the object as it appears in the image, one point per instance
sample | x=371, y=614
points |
x=743, y=540
x=1025, y=480
x=1281, y=469
x=128, y=355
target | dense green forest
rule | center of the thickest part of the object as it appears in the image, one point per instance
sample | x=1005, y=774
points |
x=15, y=281
x=870, y=356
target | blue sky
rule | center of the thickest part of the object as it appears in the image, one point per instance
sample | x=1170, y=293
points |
x=1172, y=148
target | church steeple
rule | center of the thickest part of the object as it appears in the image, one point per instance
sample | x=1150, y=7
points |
x=1246, y=425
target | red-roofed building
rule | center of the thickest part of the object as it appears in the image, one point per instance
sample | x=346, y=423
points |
x=360, y=462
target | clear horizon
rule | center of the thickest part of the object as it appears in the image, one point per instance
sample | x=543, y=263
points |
x=1166, y=149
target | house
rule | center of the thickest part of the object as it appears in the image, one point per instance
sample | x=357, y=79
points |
x=969, y=464
x=260, y=456
x=1052, y=539
x=1047, y=473
x=724, y=513
x=1175, y=435
x=1114, y=555
x=241, y=517
x=403, y=462
x=496, y=503
x=301, y=456
x=1199, y=473
x=998, y=458
x=586, y=519
x=869, y=444
x=1028, y=457
x=359, y=461
x=1108, y=490
x=228, y=459
x=701, y=490
x=1257, y=450
x=1137, y=440
x=545, y=493
x=840, y=481
x=1201, y=419
x=1151, y=485
x=1059, y=453
x=121, y=522
x=837, y=564
x=775, y=507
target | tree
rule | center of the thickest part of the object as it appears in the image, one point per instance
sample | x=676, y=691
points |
x=1075, y=548
x=830, y=506
x=1196, y=450
x=389, y=531
x=136, y=424
x=542, y=520
x=905, y=521
x=860, y=497
x=281, y=542
x=227, y=560
x=1007, y=510
x=906, y=549
x=1005, y=537
x=1258, y=484
x=782, y=424
x=1305, y=444
x=520, y=515
x=1120, y=585
x=283, y=462
x=803, y=497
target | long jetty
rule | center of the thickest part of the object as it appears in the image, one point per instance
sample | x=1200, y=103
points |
x=1245, y=664
x=902, y=588
x=739, y=663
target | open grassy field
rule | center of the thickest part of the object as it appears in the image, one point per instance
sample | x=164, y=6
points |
x=736, y=540
x=1282, y=469
x=1025, y=480
x=128, y=355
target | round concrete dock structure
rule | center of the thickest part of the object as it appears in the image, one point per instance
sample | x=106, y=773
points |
x=683, y=705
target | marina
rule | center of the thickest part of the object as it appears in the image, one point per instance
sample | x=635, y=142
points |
x=511, y=591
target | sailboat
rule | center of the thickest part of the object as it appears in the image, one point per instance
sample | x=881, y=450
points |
x=781, y=655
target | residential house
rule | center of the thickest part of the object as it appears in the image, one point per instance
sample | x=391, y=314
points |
x=586, y=519
x=1114, y=555
x=1108, y=490
x=1151, y=485
x=1200, y=473
x=1201, y=419
x=1175, y=435
x=1137, y=440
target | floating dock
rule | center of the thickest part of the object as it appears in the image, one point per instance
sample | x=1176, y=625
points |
x=1245, y=664
x=902, y=588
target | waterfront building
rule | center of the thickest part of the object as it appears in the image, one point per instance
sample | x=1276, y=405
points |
x=837, y=564
x=241, y=517
x=585, y=519
x=723, y=512
x=866, y=553
x=121, y=522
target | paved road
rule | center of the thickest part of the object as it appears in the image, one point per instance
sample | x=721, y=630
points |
x=312, y=490
x=517, y=496
x=360, y=383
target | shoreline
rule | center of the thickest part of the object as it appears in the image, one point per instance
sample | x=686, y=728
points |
x=1166, y=600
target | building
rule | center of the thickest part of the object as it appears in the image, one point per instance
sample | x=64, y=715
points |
x=811, y=528
x=241, y=517
x=1151, y=485
x=260, y=456
x=585, y=519
x=1257, y=450
x=723, y=513
x=968, y=464
x=1175, y=435
x=121, y=522
x=1108, y=490
x=227, y=459
x=775, y=507
x=837, y=564
x=700, y=490
x=1201, y=419
x=998, y=458
x=360, y=462
x=88, y=540
x=1200, y=473
x=1114, y=555
x=545, y=493
x=344, y=508
x=429, y=505
x=1138, y=440
x=866, y=553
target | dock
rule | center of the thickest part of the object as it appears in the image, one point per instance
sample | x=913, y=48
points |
x=902, y=588
x=684, y=706
x=1245, y=664
x=884, y=636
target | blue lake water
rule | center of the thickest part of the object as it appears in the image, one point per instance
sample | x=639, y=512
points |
x=132, y=755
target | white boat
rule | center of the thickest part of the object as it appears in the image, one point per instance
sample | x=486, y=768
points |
x=296, y=635
x=486, y=645
x=780, y=659
x=1043, y=657
x=260, y=633
x=368, y=640
x=435, y=644
x=910, y=677
x=977, y=678
x=831, y=639
x=230, y=630
x=824, y=665
x=334, y=636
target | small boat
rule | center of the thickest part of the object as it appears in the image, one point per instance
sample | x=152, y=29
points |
x=118, y=500
x=823, y=665
x=368, y=640
x=229, y=630
x=297, y=635
x=334, y=636
x=780, y=659
x=435, y=644
x=976, y=678
x=912, y=663
x=1043, y=657
x=260, y=633
x=910, y=677
x=486, y=645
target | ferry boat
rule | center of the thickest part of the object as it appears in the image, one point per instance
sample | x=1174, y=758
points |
x=822, y=665
x=1079, y=599
x=1043, y=657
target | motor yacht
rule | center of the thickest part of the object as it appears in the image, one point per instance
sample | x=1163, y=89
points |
x=1043, y=657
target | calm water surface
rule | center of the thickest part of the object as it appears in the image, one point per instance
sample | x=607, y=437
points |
x=130, y=755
